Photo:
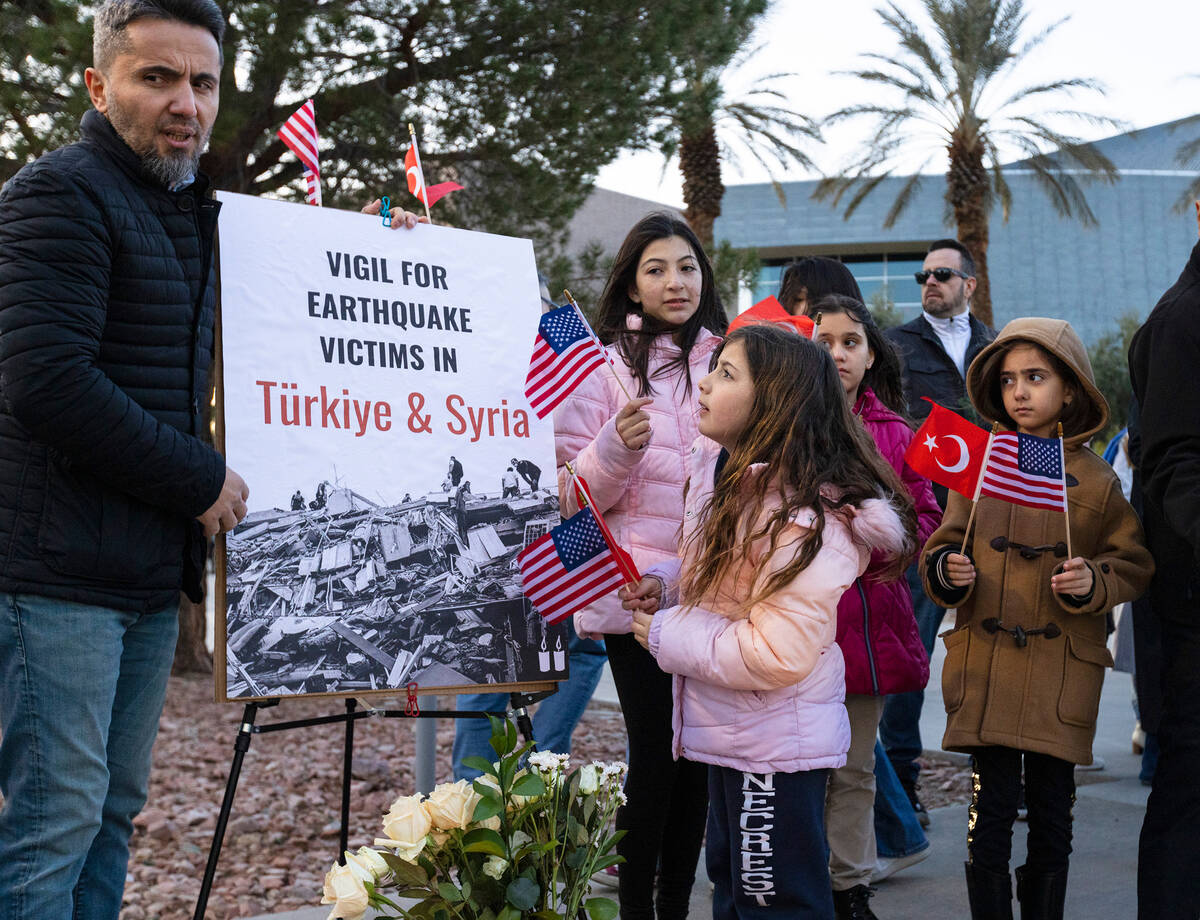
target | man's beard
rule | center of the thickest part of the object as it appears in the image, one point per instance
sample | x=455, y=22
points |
x=172, y=170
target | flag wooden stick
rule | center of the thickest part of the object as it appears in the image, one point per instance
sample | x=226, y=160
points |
x=978, y=487
x=421, y=171
x=582, y=495
x=1062, y=456
x=603, y=351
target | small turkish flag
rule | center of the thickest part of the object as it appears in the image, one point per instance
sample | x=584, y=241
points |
x=429, y=195
x=948, y=449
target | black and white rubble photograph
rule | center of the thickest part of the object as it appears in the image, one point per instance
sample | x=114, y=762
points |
x=338, y=593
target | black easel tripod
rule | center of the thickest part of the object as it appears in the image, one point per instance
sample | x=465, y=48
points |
x=519, y=703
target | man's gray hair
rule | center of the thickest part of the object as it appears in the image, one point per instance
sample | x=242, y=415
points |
x=114, y=16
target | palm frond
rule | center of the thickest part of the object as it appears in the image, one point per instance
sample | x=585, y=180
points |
x=904, y=198
x=1190, y=194
x=1067, y=85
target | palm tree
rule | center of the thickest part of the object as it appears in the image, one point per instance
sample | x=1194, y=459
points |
x=951, y=94
x=706, y=129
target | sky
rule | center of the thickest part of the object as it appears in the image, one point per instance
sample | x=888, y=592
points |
x=1146, y=53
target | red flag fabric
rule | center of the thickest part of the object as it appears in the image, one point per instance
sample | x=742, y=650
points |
x=299, y=133
x=428, y=195
x=948, y=449
x=624, y=560
x=564, y=353
x=568, y=568
x=1026, y=470
x=770, y=310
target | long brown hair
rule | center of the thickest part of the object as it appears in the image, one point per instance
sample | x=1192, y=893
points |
x=615, y=304
x=815, y=453
x=883, y=376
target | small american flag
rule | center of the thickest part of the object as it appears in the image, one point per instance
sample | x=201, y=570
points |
x=1026, y=470
x=569, y=567
x=564, y=353
x=299, y=133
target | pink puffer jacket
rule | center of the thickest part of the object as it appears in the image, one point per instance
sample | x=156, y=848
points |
x=876, y=628
x=639, y=492
x=761, y=689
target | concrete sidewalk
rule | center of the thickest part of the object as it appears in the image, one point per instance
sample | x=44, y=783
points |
x=1110, y=804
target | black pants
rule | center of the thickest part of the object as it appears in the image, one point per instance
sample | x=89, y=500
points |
x=766, y=851
x=1169, y=854
x=1049, y=796
x=664, y=816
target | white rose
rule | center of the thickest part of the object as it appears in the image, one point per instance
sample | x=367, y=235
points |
x=346, y=892
x=406, y=824
x=495, y=866
x=589, y=779
x=451, y=805
x=369, y=861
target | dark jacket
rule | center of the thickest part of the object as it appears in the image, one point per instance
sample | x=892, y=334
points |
x=876, y=629
x=1162, y=365
x=1042, y=695
x=106, y=336
x=927, y=369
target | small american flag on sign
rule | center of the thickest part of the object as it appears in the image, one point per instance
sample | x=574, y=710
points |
x=569, y=567
x=299, y=133
x=1026, y=470
x=564, y=353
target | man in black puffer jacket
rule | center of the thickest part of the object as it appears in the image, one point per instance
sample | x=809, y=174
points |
x=106, y=489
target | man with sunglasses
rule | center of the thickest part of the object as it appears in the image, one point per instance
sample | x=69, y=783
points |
x=935, y=351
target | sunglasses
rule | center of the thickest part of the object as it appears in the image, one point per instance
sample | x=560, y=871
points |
x=941, y=274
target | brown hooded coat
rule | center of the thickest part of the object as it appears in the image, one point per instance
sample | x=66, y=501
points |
x=1042, y=697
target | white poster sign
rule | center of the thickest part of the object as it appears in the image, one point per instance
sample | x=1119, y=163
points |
x=373, y=400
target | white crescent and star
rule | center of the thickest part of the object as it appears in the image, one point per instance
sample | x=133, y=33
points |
x=414, y=177
x=963, y=454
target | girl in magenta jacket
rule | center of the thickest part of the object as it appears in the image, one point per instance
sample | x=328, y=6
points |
x=787, y=500
x=876, y=629
x=659, y=315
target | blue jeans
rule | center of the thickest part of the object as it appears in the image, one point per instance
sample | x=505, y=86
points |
x=81, y=692
x=556, y=716
x=900, y=727
x=897, y=830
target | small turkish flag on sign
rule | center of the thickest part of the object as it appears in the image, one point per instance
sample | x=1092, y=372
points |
x=948, y=449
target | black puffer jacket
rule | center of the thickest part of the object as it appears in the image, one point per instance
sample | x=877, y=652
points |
x=106, y=336
x=927, y=369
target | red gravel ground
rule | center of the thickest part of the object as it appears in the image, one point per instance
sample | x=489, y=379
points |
x=283, y=831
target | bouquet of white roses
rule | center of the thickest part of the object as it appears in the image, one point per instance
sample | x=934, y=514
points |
x=520, y=841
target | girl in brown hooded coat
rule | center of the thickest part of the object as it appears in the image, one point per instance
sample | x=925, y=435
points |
x=1025, y=661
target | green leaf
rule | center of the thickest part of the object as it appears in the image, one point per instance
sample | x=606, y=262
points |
x=404, y=872
x=449, y=892
x=509, y=913
x=482, y=764
x=487, y=807
x=530, y=784
x=483, y=840
x=600, y=908
x=522, y=893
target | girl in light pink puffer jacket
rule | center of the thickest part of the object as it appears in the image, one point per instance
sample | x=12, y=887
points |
x=659, y=315
x=784, y=509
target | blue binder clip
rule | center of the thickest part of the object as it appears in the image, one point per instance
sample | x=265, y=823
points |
x=386, y=210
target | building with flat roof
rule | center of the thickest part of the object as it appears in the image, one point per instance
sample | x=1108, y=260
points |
x=1040, y=264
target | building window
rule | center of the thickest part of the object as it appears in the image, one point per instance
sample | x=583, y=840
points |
x=888, y=275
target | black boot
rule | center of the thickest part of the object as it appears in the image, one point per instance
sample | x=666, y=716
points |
x=989, y=893
x=851, y=904
x=1041, y=894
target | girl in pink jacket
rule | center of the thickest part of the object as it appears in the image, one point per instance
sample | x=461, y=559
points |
x=786, y=502
x=876, y=629
x=628, y=434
